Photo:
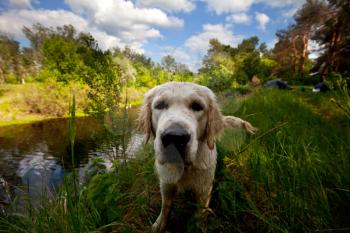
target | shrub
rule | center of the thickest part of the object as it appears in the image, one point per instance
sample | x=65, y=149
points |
x=11, y=78
x=52, y=98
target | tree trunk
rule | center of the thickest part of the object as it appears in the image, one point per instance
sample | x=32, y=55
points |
x=332, y=63
x=304, y=54
x=295, y=55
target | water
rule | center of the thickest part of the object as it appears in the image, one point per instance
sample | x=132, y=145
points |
x=36, y=157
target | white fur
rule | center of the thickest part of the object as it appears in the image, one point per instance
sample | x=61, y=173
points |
x=197, y=171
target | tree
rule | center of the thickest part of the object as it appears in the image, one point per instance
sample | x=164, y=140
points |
x=334, y=36
x=37, y=34
x=248, y=45
x=10, y=59
x=226, y=67
x=169, y=63
x=325, y=23
x=287, y=51
x=307, y=19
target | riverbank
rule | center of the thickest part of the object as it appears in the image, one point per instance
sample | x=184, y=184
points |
x=292, y=176
x=31, y=102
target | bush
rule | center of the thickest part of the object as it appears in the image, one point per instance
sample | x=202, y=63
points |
x=11, y=78
x=333, y=80
x=52, y=98
x=219, y=79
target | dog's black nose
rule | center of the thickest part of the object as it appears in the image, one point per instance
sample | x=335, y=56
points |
x=177, y=136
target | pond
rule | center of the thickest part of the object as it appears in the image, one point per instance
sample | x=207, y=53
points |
x=36, y=157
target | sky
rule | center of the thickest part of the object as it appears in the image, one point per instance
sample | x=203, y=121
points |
x=181, y=28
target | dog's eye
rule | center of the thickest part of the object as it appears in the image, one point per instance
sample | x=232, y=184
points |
x=195, y=106
x=161, y=105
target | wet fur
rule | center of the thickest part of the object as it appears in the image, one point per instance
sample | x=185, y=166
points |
x=198, y=174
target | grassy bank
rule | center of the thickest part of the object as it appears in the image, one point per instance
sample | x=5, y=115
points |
x=292, y=176
x=31, y=102
x=25, y=103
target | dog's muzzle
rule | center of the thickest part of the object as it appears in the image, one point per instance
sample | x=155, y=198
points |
x=174, y=141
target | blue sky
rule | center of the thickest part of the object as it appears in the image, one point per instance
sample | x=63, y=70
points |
x=181, y=28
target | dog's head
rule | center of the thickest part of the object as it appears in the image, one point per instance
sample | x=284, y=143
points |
x=181, y=116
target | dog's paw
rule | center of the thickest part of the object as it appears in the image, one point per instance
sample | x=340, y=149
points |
x=158, y=226
x=202, y=219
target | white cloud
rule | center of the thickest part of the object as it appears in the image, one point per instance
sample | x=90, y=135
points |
x=111, y=22
x=262, y=19
x=271, y=44
x=314, y=49
x=200, y=42
x=120, y=14
x=238, y=18
x=124, y=20
x=196, y=46
x=228, y=6
x=240, y=6
x=12, y=22
x=174, y=5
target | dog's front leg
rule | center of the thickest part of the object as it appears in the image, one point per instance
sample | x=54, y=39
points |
x=168, y=192
x=204, y=200
x=204, y=211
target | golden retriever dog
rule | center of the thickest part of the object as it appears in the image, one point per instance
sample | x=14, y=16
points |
x=185, y=120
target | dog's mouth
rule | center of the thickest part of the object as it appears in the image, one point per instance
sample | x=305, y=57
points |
x=174, y=154
x=175, y=142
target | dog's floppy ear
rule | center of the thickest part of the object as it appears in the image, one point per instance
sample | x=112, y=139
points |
x=215, y=122
x=145, y=117
x=235, y=122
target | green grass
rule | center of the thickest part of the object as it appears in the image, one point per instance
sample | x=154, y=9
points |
x=27, y=103
x=292, y=176
x=295, y=171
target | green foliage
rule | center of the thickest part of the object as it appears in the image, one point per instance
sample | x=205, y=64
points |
x=225, y=67
x=62, y=55
x=220, y=78
x=14, y=63
x=144, y=77
x=62, y=59
x=295, y=169
x=342, y=99
x=77, y=58
x=266, y=68
x=52, y=98
x=126, y=191
x=65, y=212
x=11, y=78
x=334, y=80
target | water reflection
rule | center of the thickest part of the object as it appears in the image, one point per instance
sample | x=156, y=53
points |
x=36, y=156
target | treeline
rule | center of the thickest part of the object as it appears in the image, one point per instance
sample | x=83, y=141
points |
x=226, y=67
x=323, y=22
x=64, y=55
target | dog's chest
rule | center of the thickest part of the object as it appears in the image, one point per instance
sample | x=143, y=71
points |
x=196, y=179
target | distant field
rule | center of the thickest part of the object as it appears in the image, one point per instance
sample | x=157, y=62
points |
x=292, y=176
